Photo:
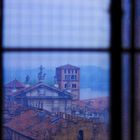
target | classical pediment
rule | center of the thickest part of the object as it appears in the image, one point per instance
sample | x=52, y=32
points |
x=41, y=90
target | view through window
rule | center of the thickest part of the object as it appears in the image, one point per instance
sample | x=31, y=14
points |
x=56, y=94
x=62, y=94
x=36, y=95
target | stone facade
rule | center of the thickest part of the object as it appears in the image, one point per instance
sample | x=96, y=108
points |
x=43, y=96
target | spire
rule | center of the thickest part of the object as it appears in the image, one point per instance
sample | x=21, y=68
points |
x=41, y=75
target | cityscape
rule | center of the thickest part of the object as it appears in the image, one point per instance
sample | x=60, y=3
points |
x=54, y=87
x=42, y=111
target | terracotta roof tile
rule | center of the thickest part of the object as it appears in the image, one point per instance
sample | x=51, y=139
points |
x=14, y=84
x=30, y=124
x=96, y=103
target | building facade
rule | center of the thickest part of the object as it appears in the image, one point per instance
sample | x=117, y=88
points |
x=45, y=97
x=68, y=78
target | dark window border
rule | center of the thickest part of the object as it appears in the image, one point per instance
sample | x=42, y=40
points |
x=116, y=51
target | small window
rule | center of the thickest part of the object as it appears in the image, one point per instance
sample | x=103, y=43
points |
x=73, y=85
x=65, y=71
x=67, y=77
x=69, y=71
x=72, y=77
x=72, y=71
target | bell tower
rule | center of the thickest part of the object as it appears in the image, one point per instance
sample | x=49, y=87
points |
x=68, y=79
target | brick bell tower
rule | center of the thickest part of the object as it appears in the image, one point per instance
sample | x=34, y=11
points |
x=68, y=79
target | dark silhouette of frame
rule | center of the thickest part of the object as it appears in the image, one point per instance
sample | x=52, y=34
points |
x=115, y=51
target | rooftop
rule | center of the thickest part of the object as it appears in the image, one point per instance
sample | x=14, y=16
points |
x=68, y=66
x=35, y=123
x=98, y=104
x=62, y=94
x=15, y=84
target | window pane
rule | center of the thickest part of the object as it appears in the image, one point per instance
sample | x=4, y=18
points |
x=126, y=23
x=137, y=24
x=126, y=96
x=40, y=102
x=56, y=23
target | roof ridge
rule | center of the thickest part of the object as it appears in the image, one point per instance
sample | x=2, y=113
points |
x=39, y=84
x=67, y=65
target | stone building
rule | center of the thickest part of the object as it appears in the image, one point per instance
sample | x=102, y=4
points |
x=45, y=97
x=68, y=78
x=43, y=112
x=39, y=95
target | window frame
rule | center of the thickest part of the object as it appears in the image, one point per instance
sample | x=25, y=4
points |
x=115, y=51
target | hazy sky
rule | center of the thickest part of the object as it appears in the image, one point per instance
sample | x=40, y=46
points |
x=41, y=23
x=27, y=61
x=58, y=23
x=54, y=59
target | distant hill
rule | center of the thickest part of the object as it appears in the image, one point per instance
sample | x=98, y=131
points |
x=20, y=74
x=91, y=77
x=95, y=78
